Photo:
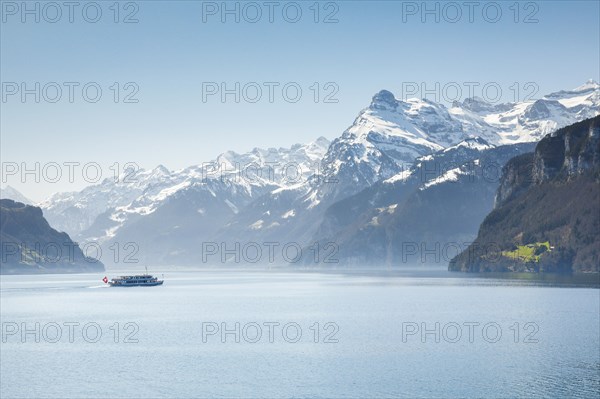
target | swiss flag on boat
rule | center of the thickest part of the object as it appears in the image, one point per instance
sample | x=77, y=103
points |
x=105, y=280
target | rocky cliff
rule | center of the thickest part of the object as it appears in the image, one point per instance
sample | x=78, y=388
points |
x=547, y=209
x=29, y=245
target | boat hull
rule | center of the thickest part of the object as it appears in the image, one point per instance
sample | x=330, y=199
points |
x=136, y=284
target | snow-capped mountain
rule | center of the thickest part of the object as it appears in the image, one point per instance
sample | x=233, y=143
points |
x=74, y=212
x=98, y=211
x=284, y=194
x=390, y=134
x=385, y=137
x=527, y=121
x=384, y=141
x=437, y=204
x=9, y=192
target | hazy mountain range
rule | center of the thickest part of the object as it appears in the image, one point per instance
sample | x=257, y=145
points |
x=9, y=192
x=365, y=190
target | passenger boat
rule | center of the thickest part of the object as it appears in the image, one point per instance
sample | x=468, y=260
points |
x=141, y=280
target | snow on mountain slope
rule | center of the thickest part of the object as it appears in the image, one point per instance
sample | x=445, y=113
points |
x=385, y=138
x=143, y=191
x=531, y=120
x=382, y=143
x=9, y=192
x=282, y=194
x=442, y=166
x=74, y=212
x=391, y=133
x=442, y=198
x=278, y=166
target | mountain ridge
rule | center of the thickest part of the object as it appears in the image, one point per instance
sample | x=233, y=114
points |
x=382, y=143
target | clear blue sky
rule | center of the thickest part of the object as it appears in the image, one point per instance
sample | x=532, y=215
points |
x=170, y=52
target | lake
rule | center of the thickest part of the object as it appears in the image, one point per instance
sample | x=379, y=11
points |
x=281, y=333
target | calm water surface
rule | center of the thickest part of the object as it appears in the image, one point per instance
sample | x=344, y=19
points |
x=361, y=336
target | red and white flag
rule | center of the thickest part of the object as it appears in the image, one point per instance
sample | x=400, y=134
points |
x=105, y=279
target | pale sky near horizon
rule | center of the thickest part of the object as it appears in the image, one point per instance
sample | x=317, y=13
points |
x=179, y=52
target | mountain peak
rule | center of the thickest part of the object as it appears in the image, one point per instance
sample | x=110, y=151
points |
x=475, y=100
x=9, y=192
x=475, y=104
x=384, y=99
x=590, y=84
x=321, y=144
x=474, y=143
x=162, y=169
x=321, y=140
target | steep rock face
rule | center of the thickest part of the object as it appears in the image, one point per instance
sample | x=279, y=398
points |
x=29, y=245
x=571, y=153
x=516, y=177
x=551, y=196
